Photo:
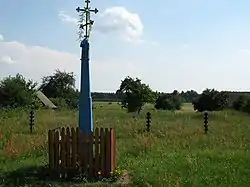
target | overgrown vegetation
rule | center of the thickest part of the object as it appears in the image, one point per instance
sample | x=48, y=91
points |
x=176, y=152
x=171, y=101
x=16, y=91
x=134, y=94
x=211, y=100
x=242, y=103
x=176, y=149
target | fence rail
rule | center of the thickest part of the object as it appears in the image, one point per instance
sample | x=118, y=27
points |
x=70, y=149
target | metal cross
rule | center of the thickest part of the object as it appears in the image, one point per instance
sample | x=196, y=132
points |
x=88, y=22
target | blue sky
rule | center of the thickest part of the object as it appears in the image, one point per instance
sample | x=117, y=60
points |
x=181, y=44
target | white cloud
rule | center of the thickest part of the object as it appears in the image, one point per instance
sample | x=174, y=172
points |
x=121, y=21
x=1, y=37
x=35, y=62
x=115, y=20
x=66, y=18
x=6, y=59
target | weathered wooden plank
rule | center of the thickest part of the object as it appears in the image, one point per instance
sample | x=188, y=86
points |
x=67, y=149
x=102, y=151
x=79, y=148
x=57, y=150
x=113, y=149
x=97, y=154
x=85, y=152
x=108, y=151
x=74, y=148
x=90, y=155
x=63, y=149
x=51, y=149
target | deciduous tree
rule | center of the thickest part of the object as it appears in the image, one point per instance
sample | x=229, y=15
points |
x=134, y=94
x=61, y=85
x=16, y=91
x=211, y=100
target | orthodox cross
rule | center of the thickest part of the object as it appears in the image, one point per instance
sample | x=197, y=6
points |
x=88, y=22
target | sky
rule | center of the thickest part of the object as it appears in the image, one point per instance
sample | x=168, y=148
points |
x=181, y=44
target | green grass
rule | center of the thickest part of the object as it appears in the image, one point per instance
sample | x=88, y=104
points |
x=175, y=153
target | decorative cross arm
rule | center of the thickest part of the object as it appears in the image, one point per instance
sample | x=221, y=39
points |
x=86, y=12
x=78, y=9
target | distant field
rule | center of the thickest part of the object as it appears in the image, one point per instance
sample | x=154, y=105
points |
x=175, y=153
x=187, y=107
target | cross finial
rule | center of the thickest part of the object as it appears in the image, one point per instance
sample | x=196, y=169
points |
x=86, y=10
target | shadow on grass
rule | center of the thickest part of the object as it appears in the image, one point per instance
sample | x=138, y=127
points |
x=41, y=176
x=33, y=175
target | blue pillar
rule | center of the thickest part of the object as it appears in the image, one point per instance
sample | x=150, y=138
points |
x=85, y=101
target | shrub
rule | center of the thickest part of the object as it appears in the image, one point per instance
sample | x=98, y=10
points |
x=59, y=102
x=168, y=102
x=240, y=103
x=16, y=91
x=211, y=100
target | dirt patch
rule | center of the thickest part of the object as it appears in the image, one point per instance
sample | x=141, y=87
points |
x=124, y=179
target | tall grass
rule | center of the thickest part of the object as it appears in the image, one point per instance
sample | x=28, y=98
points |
x=175, y=153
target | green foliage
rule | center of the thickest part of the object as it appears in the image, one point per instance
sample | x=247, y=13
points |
x=175, y=153
x=61, y=85
x=246, y=108
x=16, y=91
x=134, y=94
x=171, y=101
x=189, y=96
x=242, y=103
x=211, y=100
x=59, y=102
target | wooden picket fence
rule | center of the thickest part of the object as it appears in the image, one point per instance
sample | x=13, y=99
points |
x=92, y=153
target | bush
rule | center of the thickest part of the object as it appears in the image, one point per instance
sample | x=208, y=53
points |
x=134, y=94
x=240, y=103
x=59, y=102
x=211, y=100
x=168, y=102
x=16, y=92
x=246, y=108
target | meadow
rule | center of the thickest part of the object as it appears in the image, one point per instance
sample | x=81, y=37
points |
x=175, y=153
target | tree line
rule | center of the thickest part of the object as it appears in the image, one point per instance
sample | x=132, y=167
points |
x=133, y=94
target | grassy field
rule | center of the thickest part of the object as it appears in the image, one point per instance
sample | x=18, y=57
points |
x=176, y=152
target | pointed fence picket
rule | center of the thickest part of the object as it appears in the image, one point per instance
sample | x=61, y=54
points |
x=70, y=149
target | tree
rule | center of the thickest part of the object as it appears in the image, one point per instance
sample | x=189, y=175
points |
x=211, y=100
x=16, y=91
x=189, y=96
x=168, y=101
x=61, y=85
x=240, y=103
x=134, y=94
